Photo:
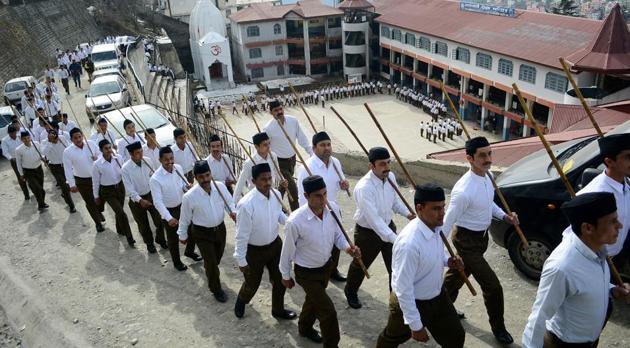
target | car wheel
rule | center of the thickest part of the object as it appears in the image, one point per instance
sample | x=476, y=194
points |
x=529, y=260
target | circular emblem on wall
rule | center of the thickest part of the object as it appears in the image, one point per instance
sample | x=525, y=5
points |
x=215, y=50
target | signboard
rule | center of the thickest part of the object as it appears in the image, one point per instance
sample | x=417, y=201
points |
x=355, y=78
x=487, y=9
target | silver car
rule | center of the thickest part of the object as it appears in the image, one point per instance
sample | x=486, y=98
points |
x=105, y=94
x=149, y=117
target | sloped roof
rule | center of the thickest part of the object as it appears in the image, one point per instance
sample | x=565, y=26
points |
x=609, y=51
x=355, y=4
x=573, y=117
x=266, y=11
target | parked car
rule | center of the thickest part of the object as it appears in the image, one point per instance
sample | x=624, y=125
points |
x=14, y=89
x=103, y=91
x=150, y=118
x=534, y=190
x=107, y=72
x=5, y=120
x=105, y=56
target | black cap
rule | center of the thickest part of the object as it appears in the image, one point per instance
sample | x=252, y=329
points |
x=258, y=138
x=102, y=120
x=11, y=129
x=136, y=145
x=24, y=134
x=313, y=183
x=127, y=122
x=177, y=132
x=54, y=124
x=149, y=130
x=213, y=137
x=74, y=130
x=274, y=104
x=610, y=146
x=428, y=193
x=165, y=150
x=102, y=144
x=201, y=167
x=320, y=136
x=588, y=207
x=378, y=153
x=475, y=143
x=260, y=168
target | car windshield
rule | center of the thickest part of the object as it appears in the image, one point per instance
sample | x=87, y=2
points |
x=15, y=86
x=102, y=56
x=5, y=119
x=151, y=118
x=574, y=151
x=104, y=88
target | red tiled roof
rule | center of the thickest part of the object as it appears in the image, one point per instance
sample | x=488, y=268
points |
x=573, y=117
x=532, y=36
x=609, y=52
x=266, y=11
x=358, y=4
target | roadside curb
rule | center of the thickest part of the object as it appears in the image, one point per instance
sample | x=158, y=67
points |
x=31, y=317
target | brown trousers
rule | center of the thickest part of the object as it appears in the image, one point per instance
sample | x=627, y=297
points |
x=17, y=175
x=114, y=196
x=438, y=317
x=172, y=239
x=371, y=245
x=211, y=244
x=60, y=178
x=317, y=304
x=140, y=215
x=287, y=168
x=85, y=190
x=471, y=245
x=259, y=257
x=35, y=180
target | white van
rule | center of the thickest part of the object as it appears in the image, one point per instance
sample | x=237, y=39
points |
x=105, y=56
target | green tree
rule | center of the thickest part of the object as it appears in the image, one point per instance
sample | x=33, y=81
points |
x=566, y=8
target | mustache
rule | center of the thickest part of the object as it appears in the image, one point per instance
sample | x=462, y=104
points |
x=487, y=163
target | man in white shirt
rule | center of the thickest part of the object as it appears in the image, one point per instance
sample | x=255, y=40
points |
x=129, y=137
x=151, y=148
x=9, y=144
x=66, y=125
x=52, y=150
x=30, y=114
x=418, y=302
x=322, y=163
x=101, y=132
x=108, y=187
x=202, y=215
x=258, y=244
x=281, y=146
x=136, y=175
x=184, y=153
x=220, y=163
x=471, y=210
x=78, y=160
x=51, y=108
x=167, y=189
x=29, y=164
x=573, y=299
x=310, y=235
x=375, y=231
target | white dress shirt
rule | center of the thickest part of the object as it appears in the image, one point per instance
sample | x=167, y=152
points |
x=203, y=208
x=221, y=169
x=136, y=179
x=257, y=220
x=375, y=201
x=106, y=173
x=96, y=137
x=68, y=127
x=124, y=141
x=317, y=166
x=309, y=240
x=246, y=173
x=78, y=161
x=167, y=190
x=51, y=108
x=152, y=154
x=472, y=204
x=418, y=262
x=279, y=143
x=185, y=158
x=53, y=151
x=29, y=114
x=572, y=297
x=9, y=145
x=27, y=157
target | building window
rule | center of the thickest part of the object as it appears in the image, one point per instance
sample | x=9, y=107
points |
x=279, y=51
x=410, y=39
x=255, y=53
x=277, y=29
x=335, y=22
x=385, y=32
x=441, y=48
x=527, y=73
x=462, y=54
x=253, y=31
x=484, y=61
x=397, y=35
x=556, y=82
x=424, y=43
x=505, y=67
x=280, y=70
x=258, y=73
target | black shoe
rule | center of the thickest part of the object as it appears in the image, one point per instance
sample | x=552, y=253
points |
x=181, y=267
x=102, y=218
x=336, y=276
x=239, y=308
x=353, y=299
x=163, y=244
x=220, y=296
x=73, y=210
x=27, y=198
x=285, y=314
x=503, y=336
x=151, y=248
x=99, y=228
x=460, y=314
x=312, y=335
x=131, y=242
x=194, y=256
